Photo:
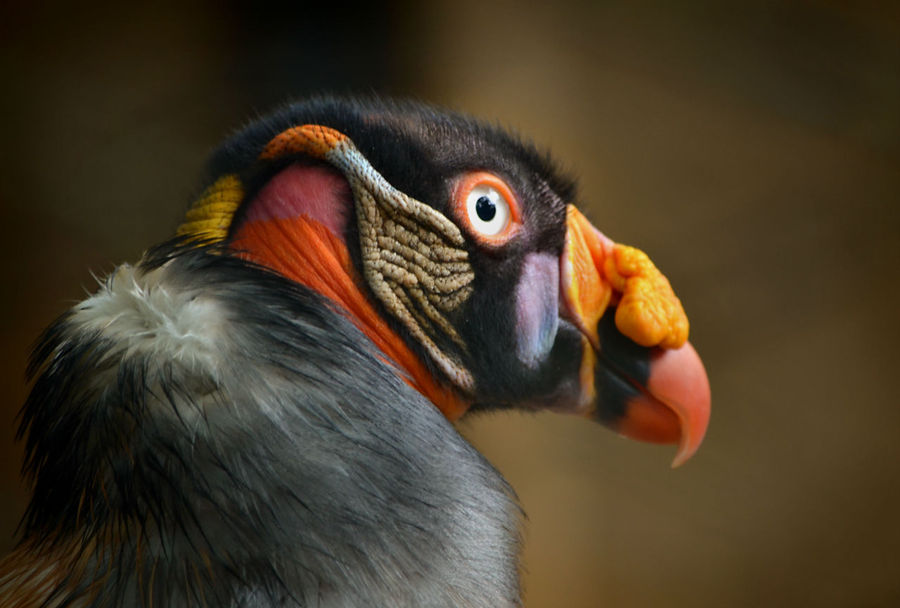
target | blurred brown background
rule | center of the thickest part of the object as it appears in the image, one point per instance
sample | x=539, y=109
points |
x=752, y=150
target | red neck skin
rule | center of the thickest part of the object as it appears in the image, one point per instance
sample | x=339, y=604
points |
x=294, y=226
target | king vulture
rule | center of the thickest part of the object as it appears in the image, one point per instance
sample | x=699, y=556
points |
x=259, y=412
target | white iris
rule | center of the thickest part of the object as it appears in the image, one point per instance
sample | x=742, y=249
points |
x=488, y=211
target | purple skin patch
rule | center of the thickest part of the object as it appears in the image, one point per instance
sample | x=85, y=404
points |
x=537, y=308
x=319, y=193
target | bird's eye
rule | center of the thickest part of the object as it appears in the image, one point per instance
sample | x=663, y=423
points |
x=487, y=210
x=487, y=207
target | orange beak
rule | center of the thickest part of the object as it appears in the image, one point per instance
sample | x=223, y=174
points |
x=639, y=374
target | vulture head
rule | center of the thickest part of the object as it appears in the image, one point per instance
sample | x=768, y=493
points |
x=257, y=412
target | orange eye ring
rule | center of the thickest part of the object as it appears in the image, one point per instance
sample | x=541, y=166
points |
x=487, y=208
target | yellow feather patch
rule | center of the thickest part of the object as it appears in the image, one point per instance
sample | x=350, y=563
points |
x=210, y=217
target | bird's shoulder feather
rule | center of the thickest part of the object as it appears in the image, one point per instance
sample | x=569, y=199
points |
x=203, y=429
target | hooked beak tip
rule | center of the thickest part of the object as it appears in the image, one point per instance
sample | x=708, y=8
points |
x=670, y=405
x=678, y=379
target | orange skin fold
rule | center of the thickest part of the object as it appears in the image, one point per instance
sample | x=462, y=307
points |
x=647, y=310
x=307, y=252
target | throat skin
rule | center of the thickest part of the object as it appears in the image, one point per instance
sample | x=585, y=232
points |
x=307, y=250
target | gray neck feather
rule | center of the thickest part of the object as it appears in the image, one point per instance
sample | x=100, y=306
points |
x=267, y=456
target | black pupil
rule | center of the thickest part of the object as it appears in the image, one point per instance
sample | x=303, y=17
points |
x=485, y=208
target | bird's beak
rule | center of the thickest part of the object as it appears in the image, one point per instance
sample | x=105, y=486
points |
x=639, y=375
